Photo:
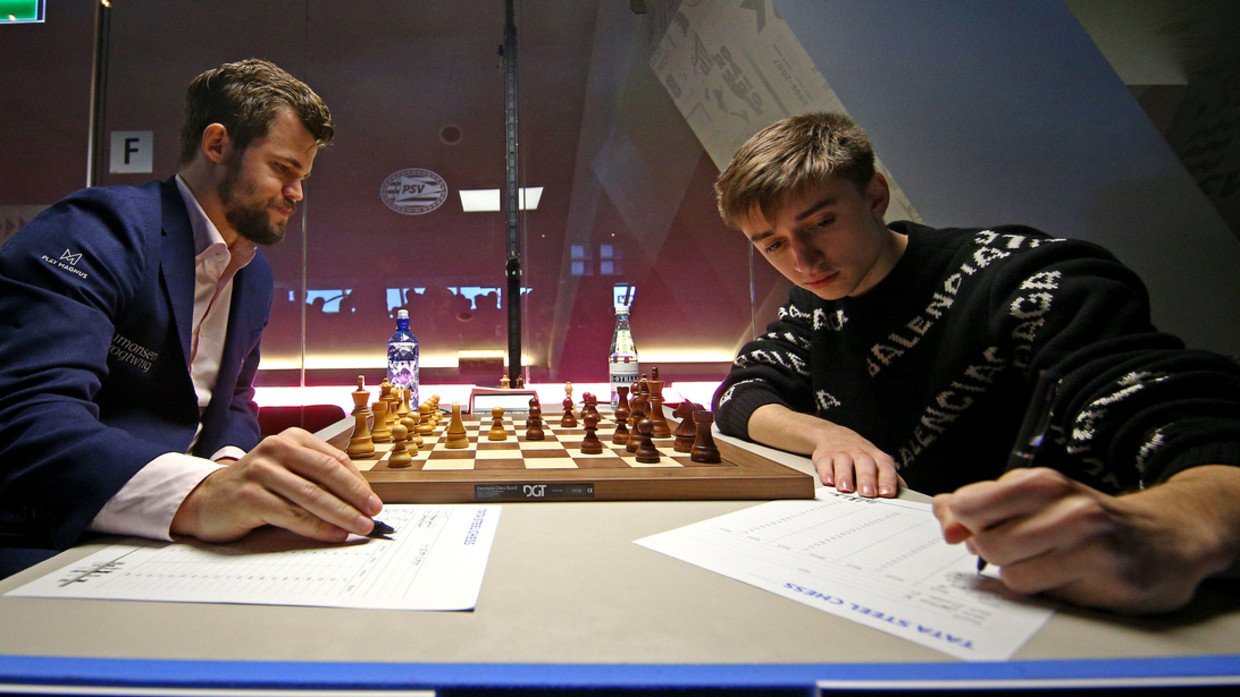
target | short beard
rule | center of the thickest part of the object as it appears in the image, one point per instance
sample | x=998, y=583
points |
x=251, y=222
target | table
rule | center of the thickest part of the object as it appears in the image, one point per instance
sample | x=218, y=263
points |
x=569, y=601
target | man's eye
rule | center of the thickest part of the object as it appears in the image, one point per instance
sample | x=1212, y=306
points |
x=825, y=222
x=773, y=247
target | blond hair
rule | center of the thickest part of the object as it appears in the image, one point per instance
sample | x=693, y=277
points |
x=787, y=156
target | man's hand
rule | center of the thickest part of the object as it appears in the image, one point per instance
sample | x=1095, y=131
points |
x=1138, y=553
x=292, y=480
x=842, y=457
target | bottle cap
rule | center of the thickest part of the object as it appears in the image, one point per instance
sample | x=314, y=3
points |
x=402, y=314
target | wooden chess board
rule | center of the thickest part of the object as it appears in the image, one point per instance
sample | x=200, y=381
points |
x=555, y=469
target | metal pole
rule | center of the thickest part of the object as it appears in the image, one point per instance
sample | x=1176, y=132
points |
x=98, y=94
x=512, y=195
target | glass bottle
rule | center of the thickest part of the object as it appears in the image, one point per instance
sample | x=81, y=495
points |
x=403, y=357
x=622, y=368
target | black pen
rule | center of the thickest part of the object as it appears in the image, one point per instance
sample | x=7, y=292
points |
x=1032, y=428
x=381, y=530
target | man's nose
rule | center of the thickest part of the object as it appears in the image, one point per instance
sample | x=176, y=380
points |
x=293, y=190
x=804, y=255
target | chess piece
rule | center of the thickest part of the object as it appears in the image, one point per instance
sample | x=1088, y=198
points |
x=568, y=420
x=591, y=445
x=646, y=451
x=361, y=446
x=656, y=416
x=402, y=406
x=426, y=426
x=385, y=396
x=497, y=431
x=704, y=449
x=637, y=407
x=589, y=405
x=504, y=382
x=621, y=434
x=622, y=404
x=686, y=430
x=635, y=438
x=411, y=423
x=380, y=432
x=533, y=425
x=456, y=437
x=400, y=456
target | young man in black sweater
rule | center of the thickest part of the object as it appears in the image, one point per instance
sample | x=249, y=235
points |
x=907, y=354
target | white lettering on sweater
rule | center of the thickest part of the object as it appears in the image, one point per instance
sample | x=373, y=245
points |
x=791, y=311
x=1153, y=444
x=1031, y=308
x=884, y=353
x=783, y=359
x=727, y=394
x=1084, y=426
x=834, y=322
x=825, y=400
x=949, y=404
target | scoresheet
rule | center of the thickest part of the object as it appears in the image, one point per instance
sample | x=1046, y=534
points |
x=880, y=562
x=435, y=560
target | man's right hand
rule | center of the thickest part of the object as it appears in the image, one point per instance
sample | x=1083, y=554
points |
x=293, y=480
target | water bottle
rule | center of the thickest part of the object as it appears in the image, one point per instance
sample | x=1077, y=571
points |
x=623, y=368
x=403, y=357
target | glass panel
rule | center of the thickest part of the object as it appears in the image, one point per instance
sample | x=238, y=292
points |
x=623, y=206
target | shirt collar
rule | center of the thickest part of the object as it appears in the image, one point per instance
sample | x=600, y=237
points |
x=206, y=235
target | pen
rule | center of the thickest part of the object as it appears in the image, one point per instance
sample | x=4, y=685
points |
x=381, y=530
x=1032, y=428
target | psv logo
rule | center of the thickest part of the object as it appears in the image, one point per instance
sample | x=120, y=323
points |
x=414, y=191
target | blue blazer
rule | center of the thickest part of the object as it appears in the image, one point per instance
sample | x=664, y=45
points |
x=96, y=302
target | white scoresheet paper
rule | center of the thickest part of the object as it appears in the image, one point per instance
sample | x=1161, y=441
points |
x=434, y=561
x=879, y=562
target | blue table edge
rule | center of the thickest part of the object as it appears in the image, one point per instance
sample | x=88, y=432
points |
x=167, y=673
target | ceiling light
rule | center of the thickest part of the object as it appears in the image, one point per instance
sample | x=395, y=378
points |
x=485, y=200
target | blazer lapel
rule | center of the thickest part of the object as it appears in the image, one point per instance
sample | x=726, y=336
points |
x=177, y=262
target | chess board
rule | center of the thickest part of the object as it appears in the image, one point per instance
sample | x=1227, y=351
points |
x=555, y=469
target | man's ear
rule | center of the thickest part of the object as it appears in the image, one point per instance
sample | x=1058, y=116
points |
x=878, y=193
x=215, y=143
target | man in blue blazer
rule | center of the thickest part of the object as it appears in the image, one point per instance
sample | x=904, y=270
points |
x=130, y=320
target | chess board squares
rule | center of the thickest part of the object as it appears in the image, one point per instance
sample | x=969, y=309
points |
x=560, y=450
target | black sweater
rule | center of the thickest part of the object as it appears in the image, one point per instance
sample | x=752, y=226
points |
x=936, y=365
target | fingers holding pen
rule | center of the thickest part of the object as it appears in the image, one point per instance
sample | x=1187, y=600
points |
x=1042, y=528
x=985, y=505
x=292, y=480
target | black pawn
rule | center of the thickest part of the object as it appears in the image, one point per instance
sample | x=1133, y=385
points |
x=646, y=452
x=533, y=425
x=621, y=436
x=591, y=445
x=568, y=420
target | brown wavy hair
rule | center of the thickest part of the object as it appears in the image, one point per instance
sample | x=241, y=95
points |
x=245, y=97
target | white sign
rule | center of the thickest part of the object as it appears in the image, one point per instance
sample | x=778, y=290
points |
x=133, y=152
